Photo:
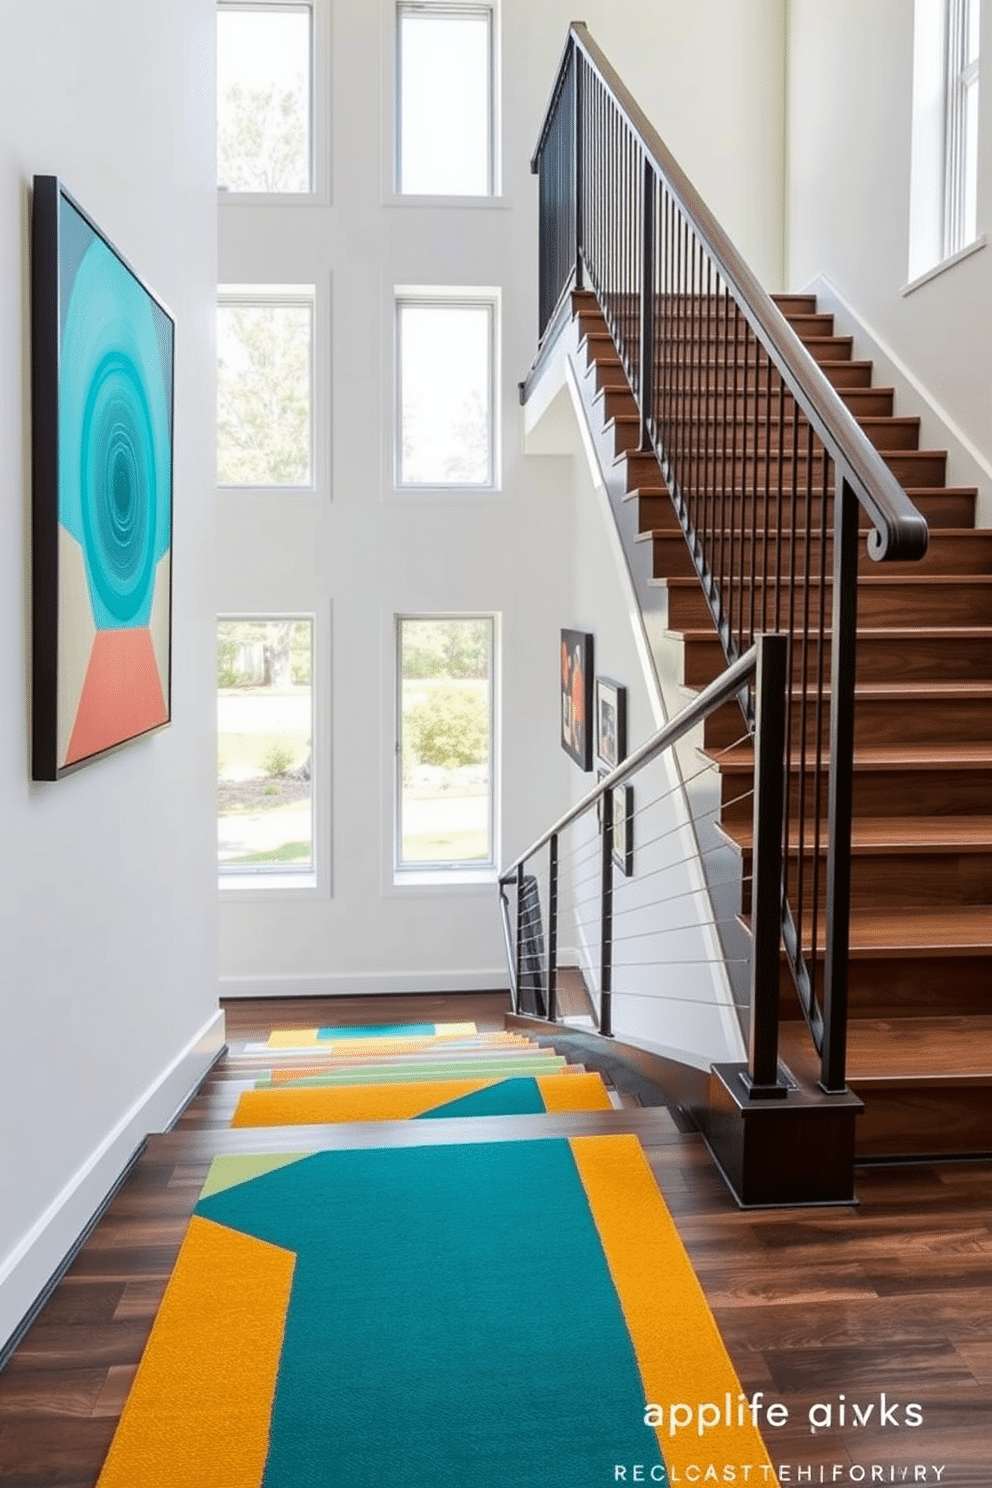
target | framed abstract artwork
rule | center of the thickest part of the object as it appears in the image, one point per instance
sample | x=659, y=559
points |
x=576, y=696
x=103, y=353
x=611, y=722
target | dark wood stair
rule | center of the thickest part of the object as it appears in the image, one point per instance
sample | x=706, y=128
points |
x=920, y=969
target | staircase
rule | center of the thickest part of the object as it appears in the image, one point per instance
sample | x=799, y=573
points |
x=920, y=990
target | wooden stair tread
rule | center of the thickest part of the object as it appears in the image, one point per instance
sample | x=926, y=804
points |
x=926, y=1052
x=739, y=758
x=952, y=931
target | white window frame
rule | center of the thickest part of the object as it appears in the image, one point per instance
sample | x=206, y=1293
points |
x=945, y=166
x=396, y=196
x=960, y=149
x=437, y=296
x=280, y=880
x=319, y=193
x=303, y=296
x=453, y=875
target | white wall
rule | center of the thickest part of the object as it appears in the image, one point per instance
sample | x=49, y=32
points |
x=850, y=72
x=107, y=917
x=355, y=554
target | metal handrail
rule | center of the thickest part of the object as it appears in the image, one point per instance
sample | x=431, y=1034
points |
x=899, y=530
x=721, y=690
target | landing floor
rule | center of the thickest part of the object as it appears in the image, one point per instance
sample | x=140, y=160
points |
x=891, y=1297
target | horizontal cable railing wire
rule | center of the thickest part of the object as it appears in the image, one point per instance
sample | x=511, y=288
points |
x=615, y=878
x=768, y=471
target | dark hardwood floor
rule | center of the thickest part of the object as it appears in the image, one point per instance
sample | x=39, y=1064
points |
x=829, y=1307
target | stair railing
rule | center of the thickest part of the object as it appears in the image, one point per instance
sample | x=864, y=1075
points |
x=755, y=446
x=533, y=959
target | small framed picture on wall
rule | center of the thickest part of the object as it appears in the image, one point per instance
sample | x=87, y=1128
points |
x=576, y=696
x=623, y=829
x=611, y=722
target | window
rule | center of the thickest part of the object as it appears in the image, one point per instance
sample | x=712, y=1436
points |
x=264, y=745
x=944, y=184
x=446, y=391
x=445, y=742
x=264, y=389
x=961, y=128
x=445, y=100
x=264, y=98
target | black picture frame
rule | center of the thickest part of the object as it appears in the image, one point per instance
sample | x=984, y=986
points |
x=102, y=438
x=576, y=695
x=611, y=722
x=623, y=829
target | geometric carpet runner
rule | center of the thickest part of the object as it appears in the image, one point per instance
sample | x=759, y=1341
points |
x=365, y=1317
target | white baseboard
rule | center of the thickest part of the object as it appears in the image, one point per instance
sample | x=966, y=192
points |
x=27, y=1271
x=366, y=984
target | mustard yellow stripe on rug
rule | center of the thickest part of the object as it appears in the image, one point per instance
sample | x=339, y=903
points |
x=317, y=1105
x=578, y=1092
x=200, y=1406
x=292, y=1038
x=680, y=1353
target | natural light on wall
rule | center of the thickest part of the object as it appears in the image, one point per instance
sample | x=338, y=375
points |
x=445, y=134
x=944, y=183
x=445, y=392
x=445, y=744
x=264, y=99
x=264, y=745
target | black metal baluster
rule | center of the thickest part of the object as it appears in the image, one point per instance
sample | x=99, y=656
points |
x=815, y=957
x=844, y=626
x=579, y=153
x=737, y=495
x=553, y=928
x=520, y=936
x=606, y=920
x=646, y=328
x=766, y=889
x=804, y=914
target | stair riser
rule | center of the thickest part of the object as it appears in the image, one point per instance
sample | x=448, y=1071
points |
x=941, y=508
x=912, y=468
x=927, y=722
x=888, y=605
x=906, y=987
x=897, y=880
x=929, y=791
x=944, y=555
x=880, y=659
x=720, y=373
x=707, y=315
x=907, y=1120
x=717, y=469
x=721, y=402
x=714, y=432
x=609, y=375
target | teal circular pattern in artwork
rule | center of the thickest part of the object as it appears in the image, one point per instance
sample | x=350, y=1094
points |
x=117, y=482
x=115, y=449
